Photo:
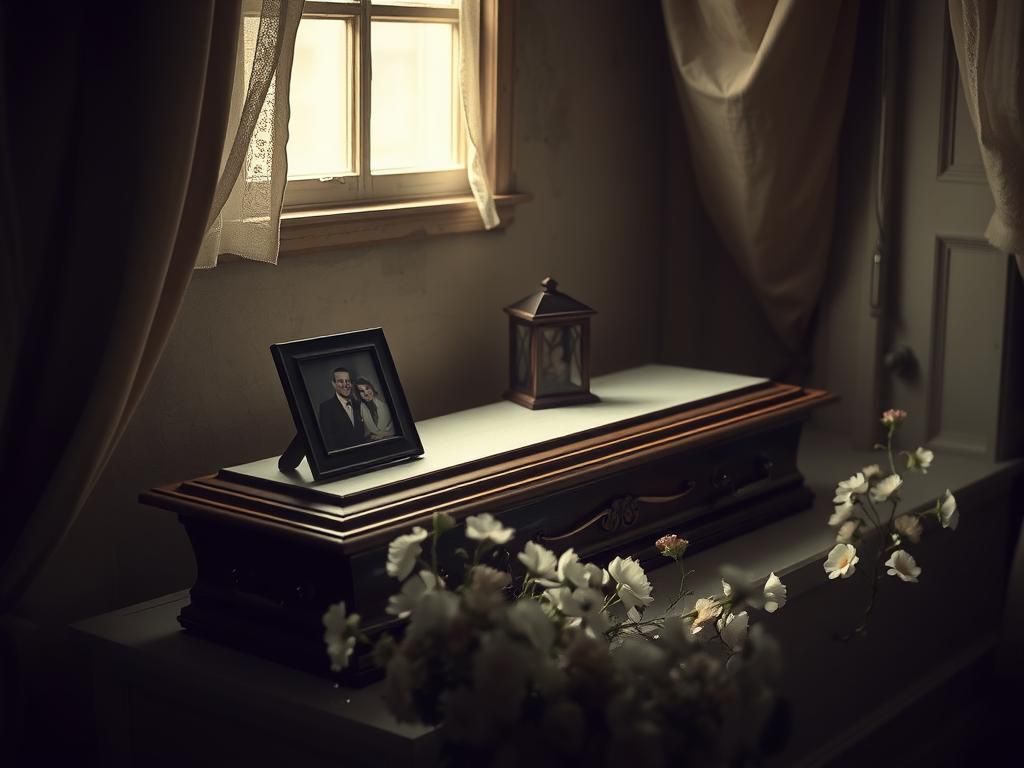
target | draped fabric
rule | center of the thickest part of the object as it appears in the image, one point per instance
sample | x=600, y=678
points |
x=469, y=95
x=763, y=87
x=110, y=140
x=245, y=219
x=988, y=37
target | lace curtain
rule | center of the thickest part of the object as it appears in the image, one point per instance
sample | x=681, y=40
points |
x=245, y=218
x=469, y=92
x=246, y=215
x=763, y=90
x=987, y=37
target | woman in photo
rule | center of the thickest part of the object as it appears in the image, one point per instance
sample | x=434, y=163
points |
x=375, y=413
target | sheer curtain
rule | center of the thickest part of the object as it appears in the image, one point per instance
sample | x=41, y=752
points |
x=763, y=87
x=469, y=93
x=246, y=216
x=245, y=219
x=988, y=37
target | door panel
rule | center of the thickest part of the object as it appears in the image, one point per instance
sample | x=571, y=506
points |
x=949, y=297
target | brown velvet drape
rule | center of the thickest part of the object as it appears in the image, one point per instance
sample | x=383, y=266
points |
x=112, y=123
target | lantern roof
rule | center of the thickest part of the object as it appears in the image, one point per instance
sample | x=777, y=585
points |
x=549, y=303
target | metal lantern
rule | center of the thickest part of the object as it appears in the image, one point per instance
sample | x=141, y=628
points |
x=549, y=349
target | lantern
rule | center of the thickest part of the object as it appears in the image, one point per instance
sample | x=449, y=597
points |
x=549, y=349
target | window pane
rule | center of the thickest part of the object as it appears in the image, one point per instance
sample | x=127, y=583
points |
x=318, y=132
x=445, y=3
x=412, y=116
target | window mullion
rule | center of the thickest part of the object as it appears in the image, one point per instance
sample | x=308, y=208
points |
x=365, y=78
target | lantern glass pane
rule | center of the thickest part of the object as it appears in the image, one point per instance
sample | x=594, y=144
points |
x=560, y=361
x=522, y=357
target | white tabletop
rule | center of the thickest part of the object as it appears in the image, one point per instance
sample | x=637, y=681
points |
x=491, y=430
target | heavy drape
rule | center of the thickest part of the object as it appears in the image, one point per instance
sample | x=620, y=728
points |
x=111, y=132
x=763, y=88
x=987, y=36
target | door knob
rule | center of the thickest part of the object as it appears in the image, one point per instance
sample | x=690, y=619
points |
x=901, y=361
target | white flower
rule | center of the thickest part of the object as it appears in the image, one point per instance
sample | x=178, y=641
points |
x=886, y=487
x=634, y=588
x=733, y=630
x=842, y=513
x=339, y=635
x=677, y=634
x=483, y=577
x=485, y=527
x=846, y=532
x=583, y=603
x=556, y=596
x=484, y=588
x=949, y=515
x=841, y=561
x=920, y=459
x=402, y=604
x=540, y=562
x=566, y=558
x=528, y=619
x=856, y=484
x=909, y=526
x=443, y=522
x=398, y=689
x=500, y=672
x=707, y=611
x=740, y=587
x=870, y=471
x=403, y=553
x=433, y=614
x=902, y=564
x=774, y=593
x=571, y=570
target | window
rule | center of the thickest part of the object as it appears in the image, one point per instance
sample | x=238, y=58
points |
x=377, y=146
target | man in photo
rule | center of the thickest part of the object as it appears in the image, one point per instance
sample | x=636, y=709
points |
x=374, y=411
x=341, y=422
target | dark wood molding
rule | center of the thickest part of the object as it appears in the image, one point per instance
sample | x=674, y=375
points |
x=272, y=556
x=360, y=520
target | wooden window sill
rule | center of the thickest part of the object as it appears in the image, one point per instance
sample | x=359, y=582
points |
x=305, y=231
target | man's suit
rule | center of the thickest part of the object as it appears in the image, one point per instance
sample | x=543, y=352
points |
x=338, y=430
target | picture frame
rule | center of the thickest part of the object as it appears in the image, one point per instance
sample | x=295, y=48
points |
x=347, y=403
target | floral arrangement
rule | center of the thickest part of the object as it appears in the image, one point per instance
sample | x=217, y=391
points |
x=559, y=660
x=864, y=499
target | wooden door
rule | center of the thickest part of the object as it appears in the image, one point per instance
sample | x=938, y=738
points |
x=953, y=333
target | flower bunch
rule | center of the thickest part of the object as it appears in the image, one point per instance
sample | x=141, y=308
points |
x=553, y=659
x=871, y=497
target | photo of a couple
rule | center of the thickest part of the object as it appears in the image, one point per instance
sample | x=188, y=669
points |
x=355, y=413
x=347, y=402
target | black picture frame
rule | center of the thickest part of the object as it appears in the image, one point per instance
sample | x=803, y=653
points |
x=338, y=440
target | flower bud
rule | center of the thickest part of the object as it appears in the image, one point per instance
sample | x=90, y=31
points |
x=671, y=546
x=893, y=416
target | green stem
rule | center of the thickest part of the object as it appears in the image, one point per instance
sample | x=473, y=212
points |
x=888, y=449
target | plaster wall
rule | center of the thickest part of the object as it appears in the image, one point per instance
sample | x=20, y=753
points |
x=589, y=102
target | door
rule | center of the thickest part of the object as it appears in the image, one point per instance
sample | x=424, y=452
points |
x=953, y=332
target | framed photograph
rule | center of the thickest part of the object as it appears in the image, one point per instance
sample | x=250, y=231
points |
x=347, y=403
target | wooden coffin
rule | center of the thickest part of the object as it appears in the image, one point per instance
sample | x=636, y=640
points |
x=667, y=450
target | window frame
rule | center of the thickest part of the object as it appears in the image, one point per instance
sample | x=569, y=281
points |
x=308, y=224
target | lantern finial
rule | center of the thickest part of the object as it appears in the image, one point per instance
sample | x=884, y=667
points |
x=550, y=284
